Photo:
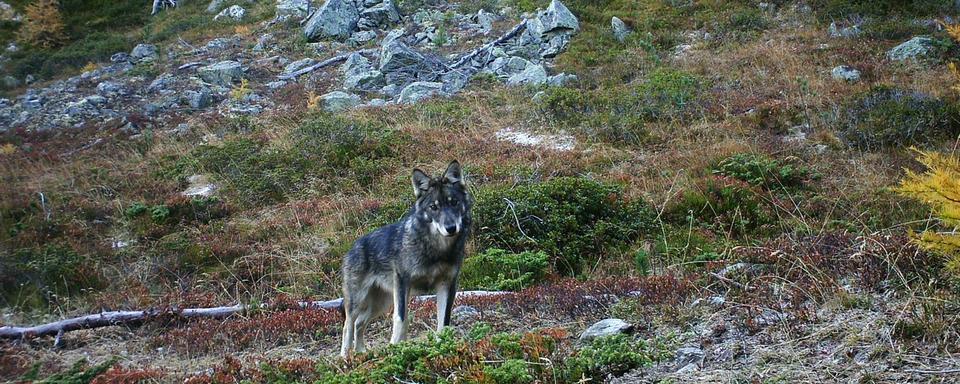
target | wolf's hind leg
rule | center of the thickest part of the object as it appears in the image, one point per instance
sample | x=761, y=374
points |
x=378, y=303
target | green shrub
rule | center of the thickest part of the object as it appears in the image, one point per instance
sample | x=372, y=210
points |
x=669, y=92
x=641, y=260
x=608, y=355
x=573, y=220
x=47, y=271
x=762, y=171
x=499, y=270
x=837, y=9
x=510, y=371
x=892, y=117
x=725, y=205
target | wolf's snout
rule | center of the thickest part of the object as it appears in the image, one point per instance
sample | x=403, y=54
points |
x=451, y=229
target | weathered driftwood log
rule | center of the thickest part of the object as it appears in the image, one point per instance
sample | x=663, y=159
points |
x=326, y=63
x=486, y=47
x=106, y=319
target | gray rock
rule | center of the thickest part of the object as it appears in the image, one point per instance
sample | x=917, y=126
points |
x=379, y=16
x=223, y=73
x=298, y=65
x=162, y=82
x=355, y=63
x=336, y=18
x=913, y=49
x=293, y=8
x=263, y=42
x=361, y=37
x=376, y=103
x=364, y=81
x=234, y=12
x=533, y=74
x=215, y=6
x=485, y=21
x=606, y=327
x=845, y=73
x=419, y=91
x=390, y=90
x=454, y=80
x=199, y=99
x=144, y=53
x=738, y=269
x=620, y=29
x=221, y=43
x=688, y=359
x=557, y=18
x=561, y=80
x=200, y=185
x=120, y=57
x=276, y=84
x=400, y=64
x=837, y=31
x=464, y=314
x=109, y=89
x=338, y=101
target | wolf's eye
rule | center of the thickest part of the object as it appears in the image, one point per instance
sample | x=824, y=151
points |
x=434, y=207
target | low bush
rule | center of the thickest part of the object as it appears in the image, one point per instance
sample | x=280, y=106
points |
x=608, y=355
x=574, y=220
x=892, y=117
x=499, y=270
x=764, y=172
x=725, y=205
x=40, y=274
x=939, y=187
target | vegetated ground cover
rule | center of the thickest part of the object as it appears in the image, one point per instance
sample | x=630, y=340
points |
x=729, y=196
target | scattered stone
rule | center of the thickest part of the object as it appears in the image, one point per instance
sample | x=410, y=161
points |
x=274, y=85
x=606, y=327
x=120, y=57
x=370, y=81
x=419, y=91
x=485, y=21
x=221, y=43
x=912, y=49
x=533, y=74
x=401, y=65
x=263, y=42
x=464, y=314
x=338, y=101
x=199, y=99
x=561, y=80
x=837, y=31
x=620, y=29
x=845, y=73
x=223, y=73
x=336, y=18
x=109, y=89
x=298, y=65
x=293, y=8
x=234, y=12
x=688, y=359
x=199, y=185
x=361, y=37
x=144, y=53
x=381, y=15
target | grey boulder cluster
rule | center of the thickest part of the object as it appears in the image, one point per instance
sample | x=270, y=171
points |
x=398, y=72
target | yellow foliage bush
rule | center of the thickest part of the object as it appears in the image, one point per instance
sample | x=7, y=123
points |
x=43, y=25
x=938, y=187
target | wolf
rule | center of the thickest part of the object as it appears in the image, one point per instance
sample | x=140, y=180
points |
x=423, y=252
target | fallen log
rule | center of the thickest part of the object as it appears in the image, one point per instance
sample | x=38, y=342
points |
x=326, y=63
x=111, y=318
x=506, y=36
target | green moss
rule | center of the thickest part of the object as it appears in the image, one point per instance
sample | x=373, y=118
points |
x=573, y=220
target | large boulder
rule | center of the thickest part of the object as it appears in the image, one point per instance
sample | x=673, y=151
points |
x=143, y=53
x=234, y=13
x=420, y=91
x=912, y=49
x=223, y=73
x=379, y=16
x=845, y=73
x=548, y=34
x=620, y=29
x=336, y=18
x=338, y=101
x=558, y=19
x=400, y=64
x=606, y=327
x=359, y=74
x=533, y=74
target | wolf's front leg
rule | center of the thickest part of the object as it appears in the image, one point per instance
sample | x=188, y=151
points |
x=401, y=320
x=446, y=294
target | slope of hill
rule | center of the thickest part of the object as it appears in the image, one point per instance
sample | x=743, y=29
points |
x=716, y=174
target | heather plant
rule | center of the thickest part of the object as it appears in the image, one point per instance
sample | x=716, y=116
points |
x=762, y=171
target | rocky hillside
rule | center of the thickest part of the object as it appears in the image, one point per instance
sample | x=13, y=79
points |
x=665, y=190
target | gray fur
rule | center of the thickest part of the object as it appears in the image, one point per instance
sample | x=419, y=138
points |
x=422, y=252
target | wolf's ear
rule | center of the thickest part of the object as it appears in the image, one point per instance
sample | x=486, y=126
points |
x=453, y=174
x=421, y=182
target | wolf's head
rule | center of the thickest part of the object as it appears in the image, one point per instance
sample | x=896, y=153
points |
x=442, y=201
